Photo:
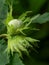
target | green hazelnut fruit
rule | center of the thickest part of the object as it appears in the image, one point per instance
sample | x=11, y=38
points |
x=13, y=25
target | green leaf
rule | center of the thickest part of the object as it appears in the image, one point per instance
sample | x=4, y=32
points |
x=3, y=13
x=4, y=58
x=1, y=4
x=42, y=18
x=3, y=10
x=16, y=60
x=2, y=28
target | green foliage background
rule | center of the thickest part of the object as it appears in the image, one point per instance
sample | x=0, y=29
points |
x=42, y=22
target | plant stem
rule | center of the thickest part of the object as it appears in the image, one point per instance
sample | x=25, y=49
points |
x=3, y=35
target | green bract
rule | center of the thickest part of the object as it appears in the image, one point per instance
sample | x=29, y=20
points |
x=18, y=39
x=20, y=43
